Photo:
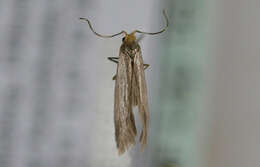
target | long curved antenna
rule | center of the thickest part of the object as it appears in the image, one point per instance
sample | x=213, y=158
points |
x=154, y=33
x=103, y=36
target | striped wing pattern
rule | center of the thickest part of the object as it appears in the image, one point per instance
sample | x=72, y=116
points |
x=130, y=91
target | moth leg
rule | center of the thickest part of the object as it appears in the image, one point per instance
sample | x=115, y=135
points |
x=113, y=59
x=146, y=66
x=114, y=77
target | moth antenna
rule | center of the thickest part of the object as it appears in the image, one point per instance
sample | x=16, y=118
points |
x=103, y=36
x=154, y=33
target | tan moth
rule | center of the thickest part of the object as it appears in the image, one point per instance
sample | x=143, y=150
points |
x=130, y=88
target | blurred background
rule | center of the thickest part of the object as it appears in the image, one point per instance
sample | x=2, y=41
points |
x=56, y=88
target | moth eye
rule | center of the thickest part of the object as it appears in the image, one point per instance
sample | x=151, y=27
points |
x=123, y=39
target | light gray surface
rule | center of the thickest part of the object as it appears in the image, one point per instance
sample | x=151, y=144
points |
x=234, y=104
x=56, y=82
x=56, y=88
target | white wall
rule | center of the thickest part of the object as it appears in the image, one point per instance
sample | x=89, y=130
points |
x=234, y=104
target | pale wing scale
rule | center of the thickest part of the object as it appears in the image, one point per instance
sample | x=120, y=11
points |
x=135, y=91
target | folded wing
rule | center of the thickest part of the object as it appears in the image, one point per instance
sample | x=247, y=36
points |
x=125, y=130
x=140, y=94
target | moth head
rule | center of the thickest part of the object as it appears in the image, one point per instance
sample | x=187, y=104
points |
x=129, y=38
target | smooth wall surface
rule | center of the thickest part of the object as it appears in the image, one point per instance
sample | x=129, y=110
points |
x=56, y=88
x=234, y=132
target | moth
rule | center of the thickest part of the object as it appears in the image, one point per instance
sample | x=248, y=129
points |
x=130, y=88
